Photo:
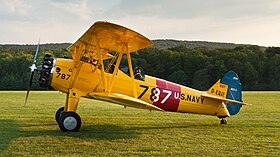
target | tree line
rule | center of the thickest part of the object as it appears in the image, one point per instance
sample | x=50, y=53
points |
x=15, y=61
x=257, y=67
x=200, y=67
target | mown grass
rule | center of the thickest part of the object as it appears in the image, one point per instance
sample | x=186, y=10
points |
x=111, y=130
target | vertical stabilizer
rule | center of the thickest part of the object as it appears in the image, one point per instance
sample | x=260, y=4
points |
x=218, y=89
x=234, y=91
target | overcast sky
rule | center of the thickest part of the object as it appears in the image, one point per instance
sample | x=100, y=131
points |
x=56, y=21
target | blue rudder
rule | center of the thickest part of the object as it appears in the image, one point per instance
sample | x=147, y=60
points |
x=234, y=91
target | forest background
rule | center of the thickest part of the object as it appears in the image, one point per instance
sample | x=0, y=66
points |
x=197, y=64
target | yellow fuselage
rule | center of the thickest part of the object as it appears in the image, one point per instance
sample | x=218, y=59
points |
x=161, y=93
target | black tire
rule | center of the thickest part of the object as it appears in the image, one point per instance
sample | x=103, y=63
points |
x=223, y=121
x=69, y=121
x=59, y=113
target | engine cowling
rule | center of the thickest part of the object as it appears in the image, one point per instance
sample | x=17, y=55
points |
x=45, y=71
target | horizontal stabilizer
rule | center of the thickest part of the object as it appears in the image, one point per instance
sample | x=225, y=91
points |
x=123, y=100
x=206, y=95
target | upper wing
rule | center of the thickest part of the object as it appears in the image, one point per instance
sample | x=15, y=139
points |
x=107, y=37
x=123, y=100
x=206, y=95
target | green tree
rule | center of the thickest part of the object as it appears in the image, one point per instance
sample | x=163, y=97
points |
x=178, y=77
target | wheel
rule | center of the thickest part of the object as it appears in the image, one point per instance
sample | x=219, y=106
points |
x=58, y=113
x=223, y=121
x=69, y=121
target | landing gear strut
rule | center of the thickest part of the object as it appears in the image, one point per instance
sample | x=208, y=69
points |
x=223, y=121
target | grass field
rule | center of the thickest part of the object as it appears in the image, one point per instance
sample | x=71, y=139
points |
x=111, y=130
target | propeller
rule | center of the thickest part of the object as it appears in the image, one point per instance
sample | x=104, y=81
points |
x=33, y=68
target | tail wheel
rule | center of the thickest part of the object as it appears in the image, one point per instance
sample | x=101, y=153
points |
x=58, y=114
x=69, y=121
x=223, y=121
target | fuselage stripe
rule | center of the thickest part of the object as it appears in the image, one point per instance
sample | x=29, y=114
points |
x=167, y=95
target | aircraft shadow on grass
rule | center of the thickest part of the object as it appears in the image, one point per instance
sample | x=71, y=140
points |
x=10, y=130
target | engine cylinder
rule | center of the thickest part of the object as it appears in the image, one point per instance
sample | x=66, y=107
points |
x=45, y=71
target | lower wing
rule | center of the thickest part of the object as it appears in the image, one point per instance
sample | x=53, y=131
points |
x=123, y=100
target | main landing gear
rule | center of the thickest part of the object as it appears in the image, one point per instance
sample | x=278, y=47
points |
x=67, y=121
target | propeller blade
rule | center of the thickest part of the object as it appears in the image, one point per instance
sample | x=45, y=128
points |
x=29, y=86
x=33, y=68
x=37, y=51
x=26, y=97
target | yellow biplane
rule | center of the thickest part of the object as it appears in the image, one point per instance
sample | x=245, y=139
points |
x=94, y=72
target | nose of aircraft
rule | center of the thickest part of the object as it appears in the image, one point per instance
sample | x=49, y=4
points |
x=46, y=70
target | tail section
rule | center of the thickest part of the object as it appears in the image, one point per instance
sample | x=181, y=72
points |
x=228, y=90
x=219, y=90
x=234, y=91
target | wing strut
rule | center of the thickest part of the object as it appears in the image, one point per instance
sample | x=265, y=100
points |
x=115, y=71
x=131, y=72
x=77, y=66
x=122, y=51
x=103, y=78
